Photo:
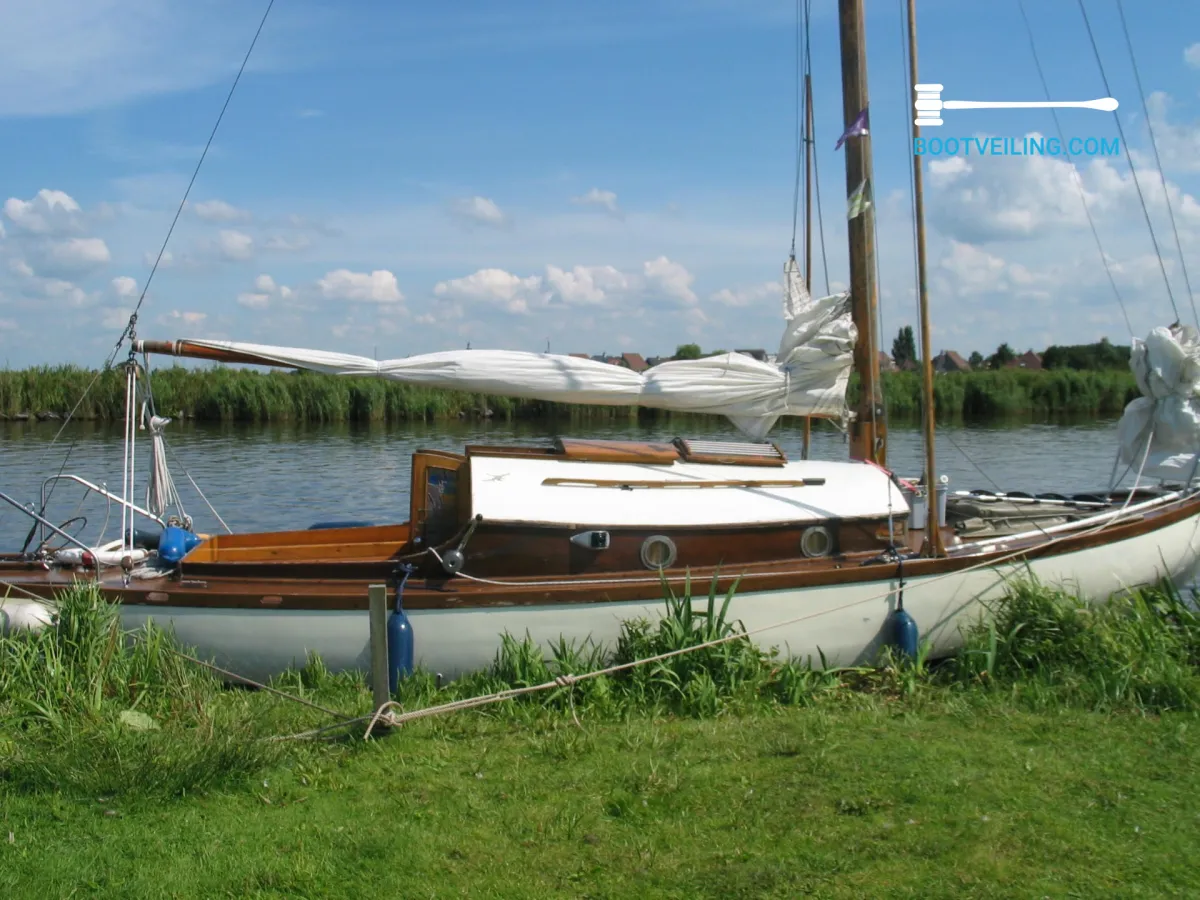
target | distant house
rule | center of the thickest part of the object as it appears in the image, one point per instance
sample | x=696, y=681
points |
x=886, y=363
x=581, y=355
x=1029, y=360
x=652, y=361
x=760, y=355
x=949, y=361
x=634, y=362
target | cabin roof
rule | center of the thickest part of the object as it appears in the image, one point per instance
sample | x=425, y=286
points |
x=550, y=489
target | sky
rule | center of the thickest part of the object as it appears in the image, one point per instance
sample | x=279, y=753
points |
x=394, y=178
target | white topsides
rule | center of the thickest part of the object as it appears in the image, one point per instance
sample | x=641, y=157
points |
x=600, y=494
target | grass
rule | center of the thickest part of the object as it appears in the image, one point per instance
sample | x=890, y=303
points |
x=221, y=394
x=1057, y=756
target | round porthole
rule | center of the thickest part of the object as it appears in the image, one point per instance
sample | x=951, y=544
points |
x=816, y=541
x=658, y=552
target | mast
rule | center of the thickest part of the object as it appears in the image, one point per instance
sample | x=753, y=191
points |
x=868, y=434
x=808, y=247
x=933, y=538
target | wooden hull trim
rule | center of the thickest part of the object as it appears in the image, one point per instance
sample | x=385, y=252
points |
x=218, y=592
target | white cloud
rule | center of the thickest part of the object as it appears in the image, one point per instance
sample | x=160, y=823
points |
x=254, y=301
x=605, y=200
x=124, y=287
x=1178, y=144
x=479, y=210
x=748, y=296
x=511, y=292
x=236, y=245
x=59, y=289
x=20, y=267
x=79, y=253
x=377, y=287
x=264, y=284
x=285, y=292
x=1191, y=56
x=670, y=278
x=219, y=211
x=185, y=316
x=49, y=211
x=115, y=317
x=167, y=258
x=310, y=113
x=281, y=244
x=586, y=284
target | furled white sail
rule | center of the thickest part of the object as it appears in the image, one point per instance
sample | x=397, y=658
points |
x=809, y=377
x=1167, y=368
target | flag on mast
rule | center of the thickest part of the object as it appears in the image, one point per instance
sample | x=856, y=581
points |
x=859, y=200
x=859, y=126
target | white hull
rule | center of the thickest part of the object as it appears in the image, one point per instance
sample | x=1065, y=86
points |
x=845, y=622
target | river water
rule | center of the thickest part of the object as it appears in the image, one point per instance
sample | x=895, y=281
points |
x=280, y=477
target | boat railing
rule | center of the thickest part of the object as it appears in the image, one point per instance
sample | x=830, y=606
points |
x=94, y=488
x=44, y=523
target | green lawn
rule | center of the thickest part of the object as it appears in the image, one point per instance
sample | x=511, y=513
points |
x=1058, y=757
x=938, y=800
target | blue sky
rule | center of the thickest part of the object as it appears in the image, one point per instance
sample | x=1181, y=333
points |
x=395, y=178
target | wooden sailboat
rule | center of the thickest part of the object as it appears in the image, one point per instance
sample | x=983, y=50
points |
x=572, y=538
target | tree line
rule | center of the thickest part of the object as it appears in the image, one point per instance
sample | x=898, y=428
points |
x=1098, y=357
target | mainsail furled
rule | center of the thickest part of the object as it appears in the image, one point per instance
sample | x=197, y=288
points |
x=809, y=376
x=1167, y=368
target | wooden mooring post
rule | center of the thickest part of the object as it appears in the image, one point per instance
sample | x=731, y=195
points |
x=377, y=594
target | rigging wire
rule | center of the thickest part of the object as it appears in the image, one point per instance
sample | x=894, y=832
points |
x=1129, y=156
x=812, y=138
x=1087, y=211
x=799, y=140
x=1158, y=162
x=131, y=325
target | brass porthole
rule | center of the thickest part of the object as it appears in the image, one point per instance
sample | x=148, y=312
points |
x=816, y=541
x=658, y=552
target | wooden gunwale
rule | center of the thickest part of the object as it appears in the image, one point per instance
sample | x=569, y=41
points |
x=459, y=593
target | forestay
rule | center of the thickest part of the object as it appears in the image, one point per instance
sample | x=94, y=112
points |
x=809, y=377
x=1167, y=368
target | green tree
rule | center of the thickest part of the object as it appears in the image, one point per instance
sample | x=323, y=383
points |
x=904, y=347
x=976, y=360
x=1003, y=355
x=688, y=351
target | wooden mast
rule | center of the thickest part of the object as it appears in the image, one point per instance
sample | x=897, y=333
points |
x=808, y=246
x=868, y=434
x=933, y=537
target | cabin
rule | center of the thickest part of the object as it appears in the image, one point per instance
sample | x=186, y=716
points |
x=886, y=363
x=578, y=507
x=1027, y=360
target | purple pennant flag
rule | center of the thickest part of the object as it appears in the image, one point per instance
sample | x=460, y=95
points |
x=857, y=127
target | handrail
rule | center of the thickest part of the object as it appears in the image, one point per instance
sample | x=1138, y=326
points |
x=44, y=522
x=99, y=490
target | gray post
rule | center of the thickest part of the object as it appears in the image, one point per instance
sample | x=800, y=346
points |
x=379, y=644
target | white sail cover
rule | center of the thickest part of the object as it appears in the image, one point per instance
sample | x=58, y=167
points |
x=809, y=377
x=1167, y=368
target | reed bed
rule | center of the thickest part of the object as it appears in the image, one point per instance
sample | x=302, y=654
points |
x=221, y=394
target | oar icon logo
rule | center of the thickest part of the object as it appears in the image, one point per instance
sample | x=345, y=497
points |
x=929, y=104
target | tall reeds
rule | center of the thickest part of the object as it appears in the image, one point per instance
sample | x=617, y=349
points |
x=222, y=394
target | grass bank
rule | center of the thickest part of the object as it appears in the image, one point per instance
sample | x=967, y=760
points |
x=241, y=395
x=1057, y=756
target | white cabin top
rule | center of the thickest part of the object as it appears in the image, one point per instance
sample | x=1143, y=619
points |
x=557, y=490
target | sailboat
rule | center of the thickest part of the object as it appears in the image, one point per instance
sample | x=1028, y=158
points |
x=572, y=538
